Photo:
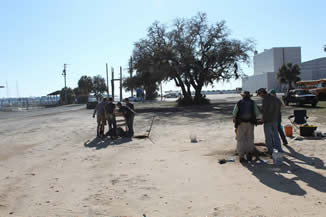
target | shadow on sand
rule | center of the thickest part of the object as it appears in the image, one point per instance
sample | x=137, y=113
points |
x=274, y=177
x=194, y=111
x=100, y=143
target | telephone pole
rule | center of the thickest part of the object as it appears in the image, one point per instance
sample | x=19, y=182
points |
x=120, y=84
x=112, y=82
x=130, y=72
x=107, y=78
x=64, y=73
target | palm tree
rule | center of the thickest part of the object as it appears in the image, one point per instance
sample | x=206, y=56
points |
x=288, y=73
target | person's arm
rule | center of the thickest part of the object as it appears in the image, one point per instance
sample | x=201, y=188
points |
x=235, y=112
x=95, y=110
x=257, y=112
x=263, y=110
x=131, y=109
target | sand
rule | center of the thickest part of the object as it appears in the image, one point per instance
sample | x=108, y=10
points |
x=51, y=164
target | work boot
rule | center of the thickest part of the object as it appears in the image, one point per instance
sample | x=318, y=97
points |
x=249, y=157
x=242, y=159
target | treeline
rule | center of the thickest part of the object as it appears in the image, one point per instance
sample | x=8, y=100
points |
x=86, y=85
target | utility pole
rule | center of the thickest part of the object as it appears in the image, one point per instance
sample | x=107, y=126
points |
x=112, y=82
x=130, y=72
x=107, y=78
x=64, y=73
x=161, y=91
x=120, y=84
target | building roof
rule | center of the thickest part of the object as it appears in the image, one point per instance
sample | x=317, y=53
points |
x=54, y=93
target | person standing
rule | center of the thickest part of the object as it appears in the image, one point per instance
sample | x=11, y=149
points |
x=271, y=110
x=132, y=116
x=110, y=117
x=129, y=115
x=280, y=129
x=100, y=114
x=245, y=115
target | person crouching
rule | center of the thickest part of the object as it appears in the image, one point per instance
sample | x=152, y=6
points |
x=245, y=115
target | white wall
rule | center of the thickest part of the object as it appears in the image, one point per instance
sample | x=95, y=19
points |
x=255, y=82
x=272, y=82
x=264, y=62
x=314, y=69
x=285, y=55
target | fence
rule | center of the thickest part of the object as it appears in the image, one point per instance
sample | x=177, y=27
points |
x=27, y=103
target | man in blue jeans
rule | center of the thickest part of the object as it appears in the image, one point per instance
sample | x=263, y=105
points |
x=271, y=110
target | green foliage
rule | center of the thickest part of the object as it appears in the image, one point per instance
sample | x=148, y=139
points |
x=288, y=74
x=70, y=96
x=142, y=80
x=99, y=86
x=85, y=85
x=81, y=97
x=192, y=53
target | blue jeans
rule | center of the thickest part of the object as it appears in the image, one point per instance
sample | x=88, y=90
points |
x=130, y=124
x=271, y=136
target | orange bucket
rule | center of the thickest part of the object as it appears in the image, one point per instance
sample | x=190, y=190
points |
x=288, y=130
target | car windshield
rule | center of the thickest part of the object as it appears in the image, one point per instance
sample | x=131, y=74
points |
x=92, y=99
x=302, y=92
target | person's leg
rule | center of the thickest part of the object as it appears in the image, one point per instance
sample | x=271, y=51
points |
x=131, y=126
x=98, y=129
x=110, y=121
x=114, y=125
x=268, y=137
x=250, y=140
x=241, y=140
x=276, y=138
x=281, y=132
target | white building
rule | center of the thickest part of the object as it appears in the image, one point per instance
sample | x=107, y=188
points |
x=267, y=63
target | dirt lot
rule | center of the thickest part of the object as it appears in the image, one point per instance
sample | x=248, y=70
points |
x=52, y=165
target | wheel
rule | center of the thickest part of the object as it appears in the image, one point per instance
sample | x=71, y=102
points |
x=298, y=104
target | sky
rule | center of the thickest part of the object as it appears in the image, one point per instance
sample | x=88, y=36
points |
x=39, y=36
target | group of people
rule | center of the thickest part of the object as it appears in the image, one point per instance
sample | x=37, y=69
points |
x=106, y=112
x=246, y=114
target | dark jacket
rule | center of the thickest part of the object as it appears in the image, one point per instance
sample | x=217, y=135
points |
x=246, y=111
x=271, y=108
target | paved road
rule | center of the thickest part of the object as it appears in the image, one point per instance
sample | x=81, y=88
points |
x=40, y=112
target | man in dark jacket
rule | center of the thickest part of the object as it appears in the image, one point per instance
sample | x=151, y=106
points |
x=271, y=110
x=129, y=115
x=110, y=117
x=245, y=114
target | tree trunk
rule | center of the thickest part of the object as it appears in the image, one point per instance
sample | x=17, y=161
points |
x=198, y=97
x=290, y=85
x=180, y=83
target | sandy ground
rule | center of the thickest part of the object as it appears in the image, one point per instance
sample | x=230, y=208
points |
x=52, y=165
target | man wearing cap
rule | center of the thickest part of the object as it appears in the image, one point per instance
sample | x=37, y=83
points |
x=100, y=114
x=280, y=129
x=271, y=110
x=110, y=117
x=128, y=114
x=245, y=115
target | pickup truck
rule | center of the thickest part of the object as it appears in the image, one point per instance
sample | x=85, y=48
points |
x=300, y=97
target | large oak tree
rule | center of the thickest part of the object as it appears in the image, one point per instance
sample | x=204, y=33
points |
x=192, y=53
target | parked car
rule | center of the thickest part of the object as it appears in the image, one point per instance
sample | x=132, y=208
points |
x=91, y=102
x=300, y=97
x=135, y=99
x=171, y=95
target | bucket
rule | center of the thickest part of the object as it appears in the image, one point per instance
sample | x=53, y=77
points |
x=288, y=130
x=307, y=130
